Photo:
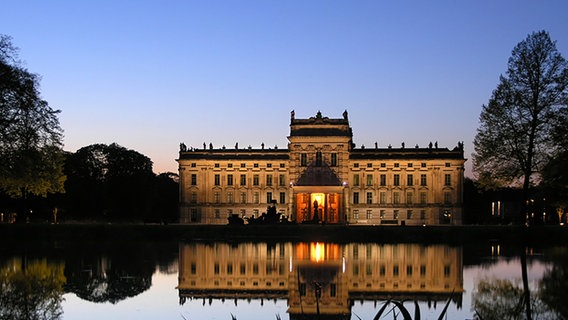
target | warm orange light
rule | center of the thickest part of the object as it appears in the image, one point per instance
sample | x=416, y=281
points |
x=317, y=252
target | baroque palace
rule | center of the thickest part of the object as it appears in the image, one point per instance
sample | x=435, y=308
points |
x=323, y=178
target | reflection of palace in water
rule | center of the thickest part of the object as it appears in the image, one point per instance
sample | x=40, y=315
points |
x=320, y=278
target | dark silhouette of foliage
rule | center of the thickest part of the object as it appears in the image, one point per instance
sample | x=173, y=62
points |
x=109, y=181
x=515, y=137
x=31, y=160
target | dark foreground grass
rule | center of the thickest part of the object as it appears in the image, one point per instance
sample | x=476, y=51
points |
x=331, y=233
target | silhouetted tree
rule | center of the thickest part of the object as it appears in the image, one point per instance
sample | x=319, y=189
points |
x=165, y=198
x=514, y=140
x=109, y=180
x=31, y=158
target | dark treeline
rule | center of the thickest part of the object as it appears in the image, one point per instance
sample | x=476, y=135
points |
x=107, y=183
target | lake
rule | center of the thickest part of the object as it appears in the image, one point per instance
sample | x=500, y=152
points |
x=91, y=275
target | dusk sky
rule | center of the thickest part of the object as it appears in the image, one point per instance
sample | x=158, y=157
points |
x=149, y=75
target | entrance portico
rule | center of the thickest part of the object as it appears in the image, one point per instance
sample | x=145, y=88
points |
x=318, y=204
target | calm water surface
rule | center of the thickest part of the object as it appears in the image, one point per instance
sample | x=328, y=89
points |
x=277, y=280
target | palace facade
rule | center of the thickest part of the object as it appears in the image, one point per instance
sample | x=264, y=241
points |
x=323, y=178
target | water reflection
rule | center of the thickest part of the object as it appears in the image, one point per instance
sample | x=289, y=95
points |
x=320, y=278
x=31, y=289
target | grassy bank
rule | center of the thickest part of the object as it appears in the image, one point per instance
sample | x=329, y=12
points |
x=332, y=233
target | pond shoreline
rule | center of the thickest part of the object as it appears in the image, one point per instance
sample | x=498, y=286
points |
x=330, y=233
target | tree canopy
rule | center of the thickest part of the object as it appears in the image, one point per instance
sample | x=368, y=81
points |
x=31, y=159
x=516, y=136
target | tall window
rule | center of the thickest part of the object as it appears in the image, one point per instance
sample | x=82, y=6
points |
x=282, y=180
x=217, y=197
x=243, y=179
x=217, y=179
x=423, y=181
x=369, y=179
x=355, y=197
x=397, y=180
x=369, y=197
x=318, y=159
x=282, y=197
x=356, y=216
x=396, y=198
x=229, y=179
x=409, y=198
x=448, y=179
x=193, y=179
x=383, y=180
x=408, y=214
x=369, y=214
x=269, y=180
x=356, y=179
x=447, y=198
x=409, y=180
x=423, y=198
x=230, y=197
x=334, y=159
x=269, y=197
x=256, y=197
x=303, y=159
x=383, y=197
x=194, y=197
x=255, y=180
x=243, y=197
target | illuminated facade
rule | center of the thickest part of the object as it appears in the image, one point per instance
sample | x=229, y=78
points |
x=320, y=278
x=322, y=177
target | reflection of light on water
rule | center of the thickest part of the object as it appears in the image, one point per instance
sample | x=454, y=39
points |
x=290, y=264
x=343, y=265
x=496, y=250
x=317, y=252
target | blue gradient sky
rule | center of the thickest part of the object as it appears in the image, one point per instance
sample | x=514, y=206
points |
x=151, y=74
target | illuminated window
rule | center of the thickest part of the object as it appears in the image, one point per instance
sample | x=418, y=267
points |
x=382, y=214
x=256, y=197
x=395, y=214
x=217, y=214
x=369, y=197
x=356, y=214
x=369, y=214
